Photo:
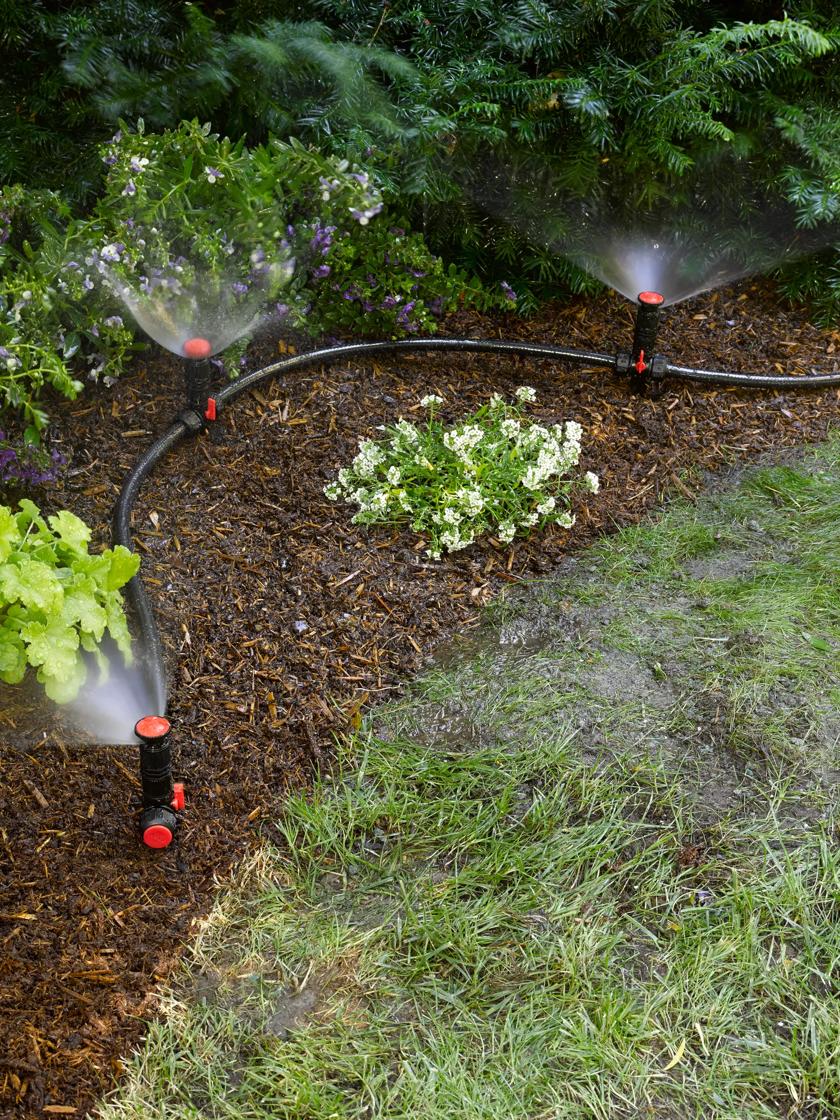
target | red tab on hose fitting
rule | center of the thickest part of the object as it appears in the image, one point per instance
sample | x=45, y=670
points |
x=210, y=411
x=640, y=365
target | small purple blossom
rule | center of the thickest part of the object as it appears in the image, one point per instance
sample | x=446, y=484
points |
x=109, y=160
x=322, y=240
x=239, y=288
x=321, y=271
x=213, y=174
x=87, y=284
x=112, y=252
x=508, y=292
x=130, y=188
x=138, y=164
x=72, y=264
x=282, y=309
x=113, y=321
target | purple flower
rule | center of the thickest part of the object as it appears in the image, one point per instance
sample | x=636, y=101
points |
x=4, y=353
x=282, y=309
x=348, y=294
x=72, y=264
x=322, y=240
x=129, y=223
x=389, y=302
x=87, y=284
x=109, y=160
x=213, y=173
x=436, y=305
x=130, y=188
x=368, y=306
x=113, y=252
x=112, y=321
x=321, y=271
x=508, y=291
x=239, y=288
x=138, y=164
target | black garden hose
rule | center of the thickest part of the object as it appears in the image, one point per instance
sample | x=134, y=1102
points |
x=190, y=423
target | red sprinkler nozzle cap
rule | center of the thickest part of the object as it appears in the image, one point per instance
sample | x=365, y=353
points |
x=157, y=836
x=197, y=348
x=652, y=298
x=152, y=727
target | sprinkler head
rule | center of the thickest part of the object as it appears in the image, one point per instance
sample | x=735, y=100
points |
x=197, y=348
x=163, y=799
x=651, y=299
x=151, y=729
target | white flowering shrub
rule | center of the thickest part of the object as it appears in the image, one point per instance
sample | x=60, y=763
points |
x=492, y=474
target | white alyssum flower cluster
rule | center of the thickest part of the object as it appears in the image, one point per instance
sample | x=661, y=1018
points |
x=493, y=474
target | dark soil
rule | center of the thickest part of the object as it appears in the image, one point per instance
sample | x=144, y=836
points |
x=239, y=548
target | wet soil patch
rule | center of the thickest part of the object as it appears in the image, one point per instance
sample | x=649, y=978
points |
x=282, y=622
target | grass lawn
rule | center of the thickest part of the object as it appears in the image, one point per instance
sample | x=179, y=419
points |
x=587, y=867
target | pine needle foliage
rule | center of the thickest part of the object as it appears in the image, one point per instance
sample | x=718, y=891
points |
x=621, y=99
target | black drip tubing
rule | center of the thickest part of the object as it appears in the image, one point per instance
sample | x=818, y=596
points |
x=121, y=530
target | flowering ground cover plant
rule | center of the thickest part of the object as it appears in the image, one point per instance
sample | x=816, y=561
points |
x=190, y=226
x=494, y=473
x=56, y=600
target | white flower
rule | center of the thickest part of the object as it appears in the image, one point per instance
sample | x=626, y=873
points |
x=452, y=515
x=407, y=430
x=506, y=531
x=431, y=400
x=471, y=500
x=591, y=482
x=510, y=428
x=526, y=393
x=529, y=519
x=333, y=491
x=547, y=506
x=393, y=474
x=464, y=441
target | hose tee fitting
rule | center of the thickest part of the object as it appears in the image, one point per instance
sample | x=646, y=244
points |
x=642, y=362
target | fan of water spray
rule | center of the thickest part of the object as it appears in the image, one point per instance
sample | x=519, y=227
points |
x=182, y=304
x=112, y=700
x=723, y=225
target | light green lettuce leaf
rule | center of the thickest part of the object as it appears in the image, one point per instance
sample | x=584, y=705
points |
x=32, y=583
x=71, y=529
x=9, y=533
x=118, y=626
x=12, y=657
x=123, y=565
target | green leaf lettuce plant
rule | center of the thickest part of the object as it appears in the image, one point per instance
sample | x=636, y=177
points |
x=493, y=473
x=57, y=601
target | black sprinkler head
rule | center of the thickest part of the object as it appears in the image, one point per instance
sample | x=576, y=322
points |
x=162, y=798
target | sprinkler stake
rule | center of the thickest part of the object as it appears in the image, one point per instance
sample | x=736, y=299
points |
x=162, y=798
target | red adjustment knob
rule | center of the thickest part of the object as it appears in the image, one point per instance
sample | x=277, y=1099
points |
x=210, y=411
x=152, y=727
x=178, y=799
x=652, y=298
x=157, y=836
x=197, y=348
x=640, y=365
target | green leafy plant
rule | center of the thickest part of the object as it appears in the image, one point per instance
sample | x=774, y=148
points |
x=491, y=473
x=57, y=601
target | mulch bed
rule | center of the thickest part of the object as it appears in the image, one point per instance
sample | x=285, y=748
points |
x=283, y=623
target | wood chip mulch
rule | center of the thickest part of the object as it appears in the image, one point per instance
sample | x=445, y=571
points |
x=283, y=623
